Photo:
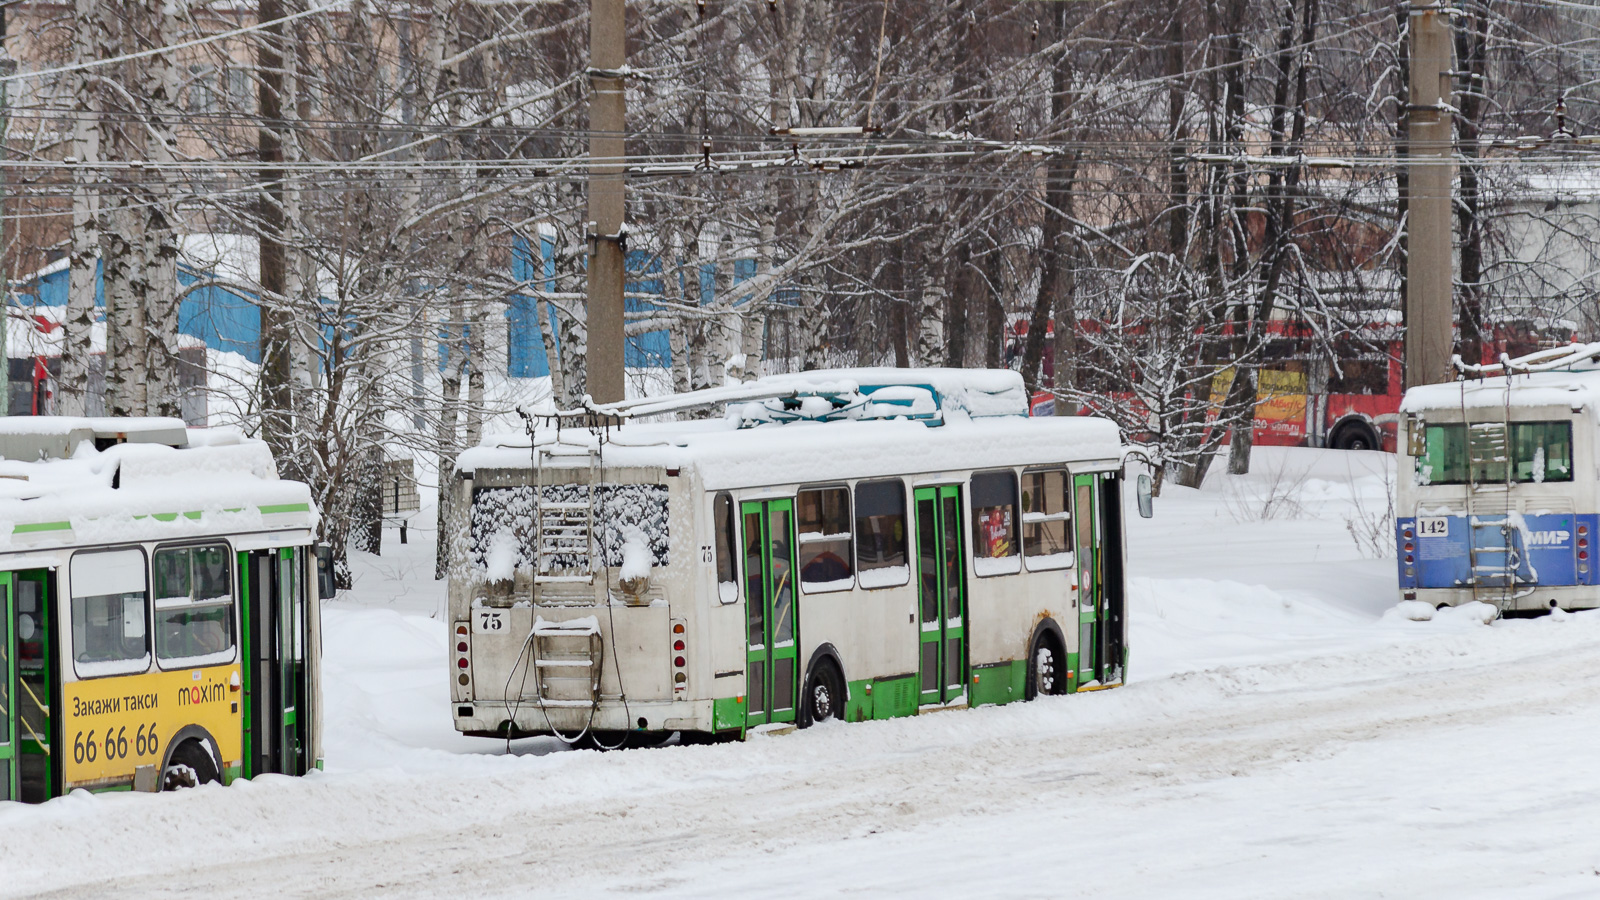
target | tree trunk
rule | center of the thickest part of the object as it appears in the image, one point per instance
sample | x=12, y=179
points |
x=160, y=340
x=1471, y=57
x=994, y=338
x=930, y=309
x=957, y=308
x=277, y=323
x=77, y=325
x=1282, y=188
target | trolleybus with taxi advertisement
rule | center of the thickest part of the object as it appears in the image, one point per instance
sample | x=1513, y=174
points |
x=158, y=626
x=1498, y=494
x=854, y=544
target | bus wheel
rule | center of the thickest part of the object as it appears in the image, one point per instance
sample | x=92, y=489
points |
x=824, y=694
x=1045, y=668
x=190, y=766
x=1355, y=437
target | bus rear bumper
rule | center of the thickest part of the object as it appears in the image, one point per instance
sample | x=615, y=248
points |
x=1525, y=598
x=495, y=718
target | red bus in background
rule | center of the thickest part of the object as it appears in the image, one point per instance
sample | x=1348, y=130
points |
x=1305, y=401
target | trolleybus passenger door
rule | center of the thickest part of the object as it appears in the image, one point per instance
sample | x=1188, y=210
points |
x=1113, y=581
x=771, y=685
x=34, y=684
x=941, y=590
x=1090, y=600
x=8, y=691
x=274, y=609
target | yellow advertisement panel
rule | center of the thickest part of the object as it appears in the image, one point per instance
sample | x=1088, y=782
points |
x=1280, y=399
x=112, y=725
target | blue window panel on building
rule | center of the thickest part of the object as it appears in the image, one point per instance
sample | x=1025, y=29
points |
x=525, y=356
x=225, y=319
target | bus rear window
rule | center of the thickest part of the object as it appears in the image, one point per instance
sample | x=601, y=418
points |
x=1535, y=451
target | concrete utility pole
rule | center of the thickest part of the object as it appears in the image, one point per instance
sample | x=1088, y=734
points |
x=607, y=55
x=1430, y=268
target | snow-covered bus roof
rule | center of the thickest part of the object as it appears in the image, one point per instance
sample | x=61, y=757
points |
x=1576, y=388
x=1561, y=376
x=210, y=484
x=975, y=429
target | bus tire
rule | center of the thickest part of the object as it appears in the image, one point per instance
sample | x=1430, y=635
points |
x=190, y=765
x=1047, y=664
x=1355, y=435
x=824, y=695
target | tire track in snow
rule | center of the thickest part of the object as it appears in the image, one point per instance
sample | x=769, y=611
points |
x=735, y=804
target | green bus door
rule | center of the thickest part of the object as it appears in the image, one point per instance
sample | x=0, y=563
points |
x=33, y=687
x=941, y=590
x=772, y=684
x=1091, y=599
x=8, y=691
x=276, y=714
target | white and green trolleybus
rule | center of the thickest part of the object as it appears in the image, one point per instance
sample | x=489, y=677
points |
x=852, y=544
x=158, y=614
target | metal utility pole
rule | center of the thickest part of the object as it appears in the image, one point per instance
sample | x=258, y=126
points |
x=1430, y=268
x=607, y=247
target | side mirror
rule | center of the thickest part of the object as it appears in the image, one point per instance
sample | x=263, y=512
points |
x=1146, y=505
x=325, y=588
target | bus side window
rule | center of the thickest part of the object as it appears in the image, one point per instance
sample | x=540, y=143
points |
x=994, y=523
x=110, y=592
x=727, y=569
x=194, y=604
x=881, y=534
x=823, y=516
x=1046, y=520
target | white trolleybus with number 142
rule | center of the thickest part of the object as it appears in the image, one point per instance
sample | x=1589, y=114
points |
x=852, y=544
x=1498, y=488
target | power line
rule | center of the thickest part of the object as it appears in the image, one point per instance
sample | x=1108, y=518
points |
x=181, y=45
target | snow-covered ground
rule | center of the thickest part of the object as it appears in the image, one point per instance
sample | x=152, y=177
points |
x=1284, y=733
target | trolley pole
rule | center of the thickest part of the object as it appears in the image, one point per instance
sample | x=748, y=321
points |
x=1430, y=268
x=606, y=238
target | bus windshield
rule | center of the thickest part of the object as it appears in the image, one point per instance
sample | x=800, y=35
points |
x=1536, y=452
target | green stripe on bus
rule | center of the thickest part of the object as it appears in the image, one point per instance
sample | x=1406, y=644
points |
x=42, y=526
x=285, y=508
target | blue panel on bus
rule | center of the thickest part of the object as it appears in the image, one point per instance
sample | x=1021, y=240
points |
x=1435, y=551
